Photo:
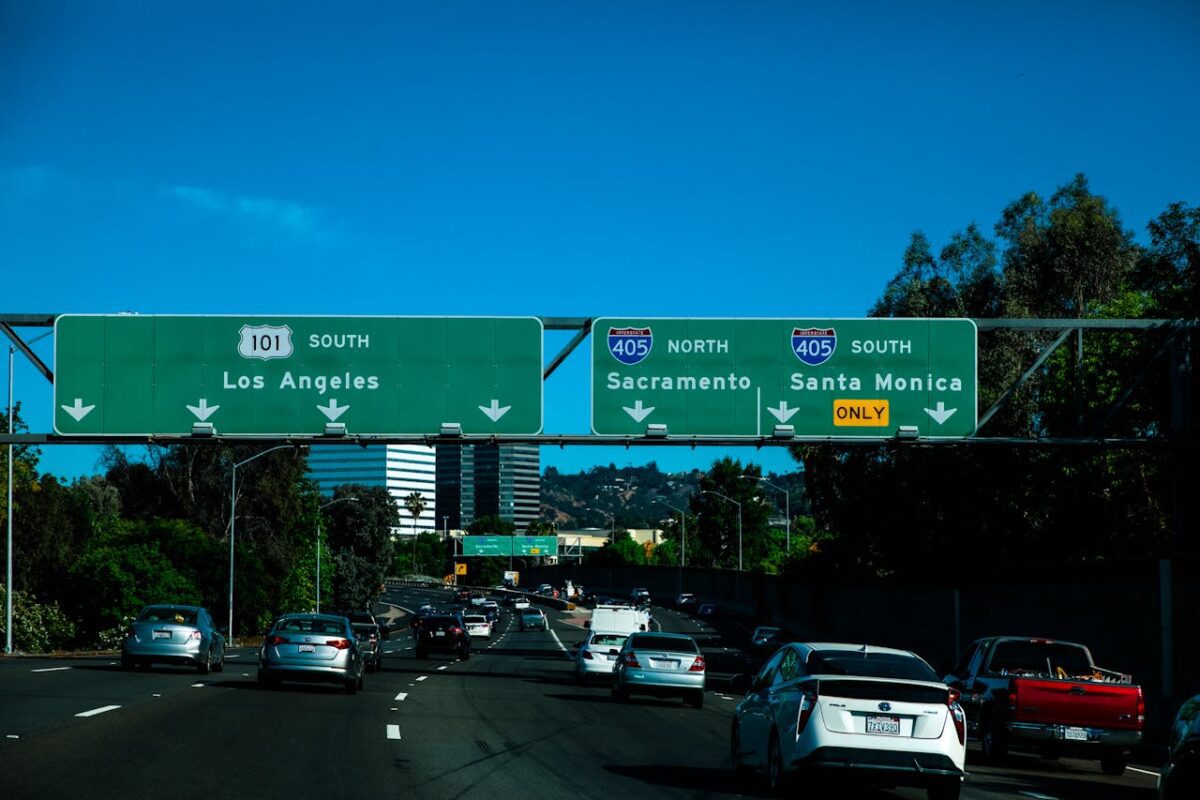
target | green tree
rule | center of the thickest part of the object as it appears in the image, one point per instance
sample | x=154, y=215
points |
x=25, y=466
x=715, y=539
x=360, y=541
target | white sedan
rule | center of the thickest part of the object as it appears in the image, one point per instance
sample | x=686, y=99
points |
x=477, y=625
x=521, y=603
x=598, y=655
x=872, y=714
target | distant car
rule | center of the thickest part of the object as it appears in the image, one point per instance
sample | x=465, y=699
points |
x=311, y=647
x=1181, y=775
x=766, y=638
x=598, y=654
x=546, y=590
x=685, y=601
x=533, y=618
x=521, y=603
x=662, y=665
x=477, y=625
x=173, y=634
x=370, y=645
x=442, y=633
x=866, y=714
x=364, y=617
x=462, y=596
x=640, y=597
x=491, y=610
x=706, y=611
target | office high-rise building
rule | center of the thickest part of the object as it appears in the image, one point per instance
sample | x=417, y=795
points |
x=476, y=481
x=400, y=468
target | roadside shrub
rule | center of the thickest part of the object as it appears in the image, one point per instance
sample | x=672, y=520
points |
x=37, y=627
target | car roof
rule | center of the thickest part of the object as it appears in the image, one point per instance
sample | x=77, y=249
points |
x=843, y=646
x=642, y=634
x=173, y=605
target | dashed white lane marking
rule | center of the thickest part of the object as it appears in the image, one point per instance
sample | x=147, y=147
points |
x=112, y=663
x=443, y=666
x=96, y=711
x=12, y=736
x=1143, y=771
x=1037, y=795
x=421, y=678
x=197, y=685
x=393, y=732
x=156, y=694
x=402, y=696
x=233, y=655
x=50, y=669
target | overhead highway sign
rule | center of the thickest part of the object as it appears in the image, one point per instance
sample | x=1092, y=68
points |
x=822, y=377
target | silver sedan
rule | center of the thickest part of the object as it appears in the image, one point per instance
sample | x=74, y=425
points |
x=660, y=664
x=171, y=634
x=311, y=647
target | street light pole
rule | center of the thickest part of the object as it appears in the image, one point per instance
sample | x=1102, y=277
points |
x=319, y=508
x=683, y=548
x=739, y=509
x=787, y=508
x=233, y=519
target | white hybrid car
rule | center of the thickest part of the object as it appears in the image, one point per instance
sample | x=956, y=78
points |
x=864, y=714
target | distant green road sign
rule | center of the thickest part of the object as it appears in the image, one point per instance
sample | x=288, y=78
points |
x=824, y=377
x=128, y=374
x=535, y=545
x=487, y=546
x=510, y=545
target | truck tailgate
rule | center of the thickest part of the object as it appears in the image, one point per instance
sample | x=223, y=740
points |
x=1077, y=703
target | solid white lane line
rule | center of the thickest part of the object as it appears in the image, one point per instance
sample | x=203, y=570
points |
x=96, y=711
x=393, y=732
x=402, y=696
x=1143, y=771
x=50, y=669
x=558, y=641
x=1037, y=795
x=421, y=677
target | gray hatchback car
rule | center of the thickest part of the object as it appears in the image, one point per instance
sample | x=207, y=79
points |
x=311, y=647
x=173, y=634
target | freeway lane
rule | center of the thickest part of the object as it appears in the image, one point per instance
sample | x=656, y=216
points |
x=510, y=721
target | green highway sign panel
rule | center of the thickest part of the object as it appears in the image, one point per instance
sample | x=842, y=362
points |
x=148, y=375
x=487, y=546
x=841, y=378
x=510, y=546
x=535, y=545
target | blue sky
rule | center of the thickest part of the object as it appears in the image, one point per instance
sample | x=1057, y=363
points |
x=560, y=159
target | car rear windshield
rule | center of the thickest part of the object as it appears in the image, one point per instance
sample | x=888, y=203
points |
x=310, y=625
x=440, y=622
x=766, y=631
x=610, y=639
x=668, y=643
x=869, y=665
x=1056, y=659
x=532, y=614
x=180, y=616
x=475, y=619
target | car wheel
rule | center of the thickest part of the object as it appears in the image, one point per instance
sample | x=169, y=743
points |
x=948, y=790
x=205, y=666
x=740, y=770
x=128, y=663
x=1112, y=763
x=992, y=743
x=466, y=655
x=619, y=693
x=774, y=765
x=697, y=699
x=360, y=681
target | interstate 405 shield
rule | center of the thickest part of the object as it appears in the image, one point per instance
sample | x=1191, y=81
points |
x=131, y=374
x=841, y=378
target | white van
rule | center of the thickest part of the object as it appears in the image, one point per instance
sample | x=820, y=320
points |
x=619, y=619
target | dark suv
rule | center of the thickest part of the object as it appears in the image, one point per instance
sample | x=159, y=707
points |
x=369, y=633
x=444, y=633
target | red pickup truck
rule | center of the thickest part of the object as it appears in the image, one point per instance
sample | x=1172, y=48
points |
x=1048, y=696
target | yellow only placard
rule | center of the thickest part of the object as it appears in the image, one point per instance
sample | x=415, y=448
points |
x=460, y=569
x=860, y=413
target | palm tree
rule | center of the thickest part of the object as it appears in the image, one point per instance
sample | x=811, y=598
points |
x=415, y=505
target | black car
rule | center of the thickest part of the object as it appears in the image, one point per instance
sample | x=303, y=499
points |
x=365, y=617
x=442, y=633
x=1181, y=775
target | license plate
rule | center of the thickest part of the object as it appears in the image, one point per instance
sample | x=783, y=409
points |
x=886, y=725
x=308, y=648
x=663, y=664
x=439, y=633
x=162, y=634
x=1075, y=734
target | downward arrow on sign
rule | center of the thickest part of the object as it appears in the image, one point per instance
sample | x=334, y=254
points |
x=941, y=413
x=79, y=410
x=783, y=413
x=495, y=411
x=638, y=412
x=333, y=410
x=204, y=410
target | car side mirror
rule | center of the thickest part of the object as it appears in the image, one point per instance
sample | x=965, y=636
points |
x=224, y=631
x=587, y=623
x=740, y=683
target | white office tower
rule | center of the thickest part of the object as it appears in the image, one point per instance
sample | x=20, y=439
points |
x=402, y=469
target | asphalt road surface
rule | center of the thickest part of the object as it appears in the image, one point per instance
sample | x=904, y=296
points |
x=510, y=722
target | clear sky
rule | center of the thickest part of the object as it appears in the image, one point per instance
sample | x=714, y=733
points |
x=697, y=158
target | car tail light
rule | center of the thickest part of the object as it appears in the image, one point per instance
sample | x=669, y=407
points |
x=630, y=660
x=277, y=640
x=194, y=635
x=956, y=714
x=1141, y=708
x=130, y=631
x=1012, y=701
x=456, y=630
x=340, y=644
x=808, y=703
x=697, y=665
x=586, y=654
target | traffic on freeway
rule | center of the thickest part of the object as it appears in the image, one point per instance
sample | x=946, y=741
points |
x=450, y=714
